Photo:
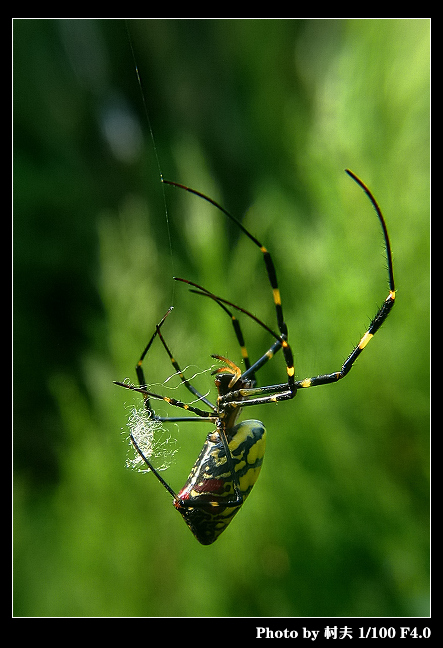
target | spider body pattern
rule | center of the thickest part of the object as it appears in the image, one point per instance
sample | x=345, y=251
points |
x=231, y=458
x=211, y=480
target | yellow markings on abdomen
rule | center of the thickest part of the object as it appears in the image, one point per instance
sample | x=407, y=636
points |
x=247, y=481
x=257, y=451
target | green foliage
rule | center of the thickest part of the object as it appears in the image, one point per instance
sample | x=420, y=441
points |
x=263, y=116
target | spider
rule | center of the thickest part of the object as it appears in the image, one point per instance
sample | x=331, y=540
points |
x=230, y=460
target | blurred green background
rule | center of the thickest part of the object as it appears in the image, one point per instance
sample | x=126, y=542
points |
x=262, y=115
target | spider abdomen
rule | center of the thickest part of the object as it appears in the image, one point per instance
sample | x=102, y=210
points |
x=223, y=481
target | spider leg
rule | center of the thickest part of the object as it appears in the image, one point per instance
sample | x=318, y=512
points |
x=268, y=394
x=325, y=379
x=152, y=469
x=234, y=320
x=172, y=401
x=139, y=369
x=272, y=276
x=381, y=315
x=141, y=376
x=281, y=339
x=184, y=380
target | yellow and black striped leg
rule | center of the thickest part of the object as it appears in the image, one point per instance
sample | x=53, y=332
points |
x=139, y=369
x=380, y=317
x=325, y=379
x=140, y=373
x=181, y=375
x=263, y=395
x=235, y=323
x=281, y=343
x=201, y=414
x=272, y=275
